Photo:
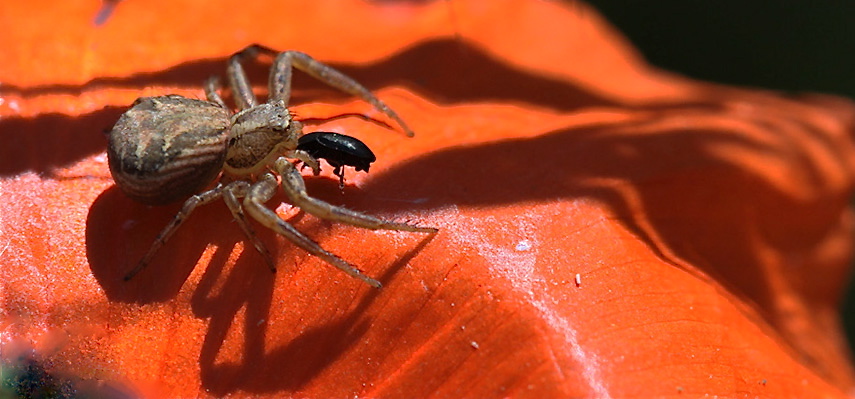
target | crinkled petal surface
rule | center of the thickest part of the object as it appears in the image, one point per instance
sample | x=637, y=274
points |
x=606, y=229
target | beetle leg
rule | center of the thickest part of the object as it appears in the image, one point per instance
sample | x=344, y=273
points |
x=231, y=193
x=261, y=192
x=295, y=189
x=339, y=171
x=177, y=221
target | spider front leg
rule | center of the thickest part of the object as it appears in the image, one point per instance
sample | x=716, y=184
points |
x=212, y=89
x=280, y=82
x=261, y=192
x=239, y=83
x=280, y=79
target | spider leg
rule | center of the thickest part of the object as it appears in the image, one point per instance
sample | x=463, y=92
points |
x=295, y=189
x=239, y=82
x=280, y=82
x=261, y=192
x=231, y=193
x=177, y=221
x=212, y=88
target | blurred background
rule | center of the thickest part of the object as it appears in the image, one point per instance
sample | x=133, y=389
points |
x=792, y=46
x=788, y=46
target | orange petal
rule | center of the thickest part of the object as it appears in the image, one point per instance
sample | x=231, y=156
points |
x=606, y=229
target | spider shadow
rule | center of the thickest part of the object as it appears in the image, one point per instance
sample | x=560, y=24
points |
x=446, y=70
x=263, y=369
x=120, y=231
x=47, y=142
x=229, y=292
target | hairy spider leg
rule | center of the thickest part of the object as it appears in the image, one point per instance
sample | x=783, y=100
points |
x=280, y=79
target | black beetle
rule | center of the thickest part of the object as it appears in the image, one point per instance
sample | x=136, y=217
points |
x=338, y=150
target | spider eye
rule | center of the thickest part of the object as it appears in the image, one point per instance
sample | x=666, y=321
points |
x=280, y=124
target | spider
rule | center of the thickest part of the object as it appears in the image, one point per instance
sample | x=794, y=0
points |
x=170, y=147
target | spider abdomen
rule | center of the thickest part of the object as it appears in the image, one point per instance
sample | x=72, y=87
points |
x=166, y=148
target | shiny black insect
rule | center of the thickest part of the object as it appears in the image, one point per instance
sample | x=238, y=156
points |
x=338, y=150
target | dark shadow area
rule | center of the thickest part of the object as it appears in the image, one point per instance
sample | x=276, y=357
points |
x=47, y=142
x=261, y=369
x=289, y=367
x=671, y=183
x=794, y=46
x=120, y=231
x=446, y=71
